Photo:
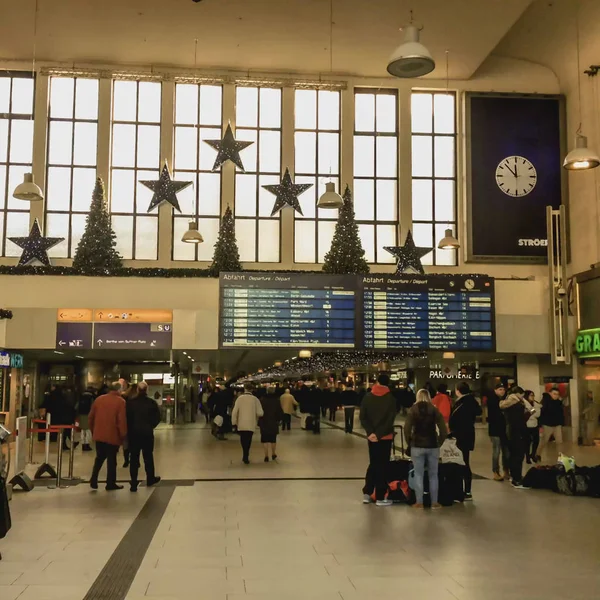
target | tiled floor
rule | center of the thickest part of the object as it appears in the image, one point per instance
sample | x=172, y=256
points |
x=286, y=540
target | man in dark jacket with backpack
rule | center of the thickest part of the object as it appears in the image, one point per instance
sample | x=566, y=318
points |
x=83, y=412
x=377, y=416
x=143, y=416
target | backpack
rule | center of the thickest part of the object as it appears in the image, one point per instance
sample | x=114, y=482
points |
x=572, y=483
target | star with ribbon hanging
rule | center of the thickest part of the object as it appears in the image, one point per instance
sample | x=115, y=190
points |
x=228, y=149
x=35, y=246
x=165, y=189
x=408, y=256
x=287, y=193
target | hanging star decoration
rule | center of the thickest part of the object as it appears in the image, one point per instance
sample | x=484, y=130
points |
x=409, y=256
x=35, y=246
x=287, y=193
x=228, y=149
x=165, y=189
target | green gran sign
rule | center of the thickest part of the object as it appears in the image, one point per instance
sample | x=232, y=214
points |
x=587, y=343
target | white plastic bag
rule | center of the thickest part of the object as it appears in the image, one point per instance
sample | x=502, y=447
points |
x=450, y=452
x=218, y=421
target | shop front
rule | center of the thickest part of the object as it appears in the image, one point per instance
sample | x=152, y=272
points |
x=586, y=350
x=15, y=389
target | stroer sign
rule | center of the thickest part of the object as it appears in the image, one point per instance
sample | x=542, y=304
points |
x=587, y=343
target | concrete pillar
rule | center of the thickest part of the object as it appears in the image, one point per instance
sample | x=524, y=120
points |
x=528, y=373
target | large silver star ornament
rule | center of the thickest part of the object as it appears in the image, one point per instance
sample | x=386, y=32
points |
x=287, y=193
x=228, y=149
x=165, y=189
x=408, y=256
x=35, y=246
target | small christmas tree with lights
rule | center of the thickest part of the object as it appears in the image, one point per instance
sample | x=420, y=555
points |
x=227, y=255
x=346, y=255
x=96, y=253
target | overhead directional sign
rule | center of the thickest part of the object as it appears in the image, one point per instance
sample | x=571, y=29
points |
x=73, y=336
x=138, y=315
x=134, y=336
x=73, y=315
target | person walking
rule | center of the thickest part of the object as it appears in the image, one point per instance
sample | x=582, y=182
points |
x=269, y=423
x=349, y=400
x=83, y=411
x=425, y=429
x=497, y=433
x=517, y=414
x=442, y=401
x=108, y=423
x=288, y=406
x=533, y=428
x=246, y=412
x=143, y=416
x=377, y=416
x=552, y=420
x=462, y=427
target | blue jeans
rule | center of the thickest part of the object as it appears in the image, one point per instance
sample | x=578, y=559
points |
x=429, y=457
x=499, y=444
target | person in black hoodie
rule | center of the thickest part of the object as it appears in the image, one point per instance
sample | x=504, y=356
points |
x=462, y=428
x=497, y=432
x=349, y=400
x=552, y=420
x=517, y=415
x=143, y=416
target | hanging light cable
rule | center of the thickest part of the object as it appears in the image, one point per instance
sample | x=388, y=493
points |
x=581, y=158
x=448, y=242
x=28, y=190
x=192, y=235
x=330, y=199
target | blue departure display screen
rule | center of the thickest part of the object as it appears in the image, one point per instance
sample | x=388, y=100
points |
x=428, y=312
x=405, y=312
x=274, y=309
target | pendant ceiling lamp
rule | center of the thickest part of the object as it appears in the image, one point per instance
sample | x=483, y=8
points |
x=411, y=58
x=330, y=199
x=448, y=242
x=581, y=158
x=29, y=190
x=192, y=235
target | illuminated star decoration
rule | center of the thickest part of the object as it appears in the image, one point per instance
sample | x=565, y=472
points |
x=287, y=193
x=409, y=256
x=228, y=149
x=35, y=246
x=165, y=189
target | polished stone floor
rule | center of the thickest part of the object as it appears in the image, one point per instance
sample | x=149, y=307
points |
x=288, y=530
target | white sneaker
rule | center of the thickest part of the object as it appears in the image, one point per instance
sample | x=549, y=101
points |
x=367, y=499
x=384, y=503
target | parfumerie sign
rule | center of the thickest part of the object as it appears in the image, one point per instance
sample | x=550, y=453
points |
x=587, y=343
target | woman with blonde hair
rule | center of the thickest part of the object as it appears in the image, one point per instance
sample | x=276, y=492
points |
x=425, y=431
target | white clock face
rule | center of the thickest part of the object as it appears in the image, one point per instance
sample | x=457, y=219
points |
x=516, y=176
x=469, y=284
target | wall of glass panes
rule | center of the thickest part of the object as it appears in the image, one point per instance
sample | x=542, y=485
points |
x=136, y=119
x=258, y=119
x=16, y=148
x=433, y=117
x=71, y=159
x=317, y=161
x=376, y=171
x=198, y=117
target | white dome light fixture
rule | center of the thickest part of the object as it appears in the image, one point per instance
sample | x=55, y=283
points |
x=448, y=242
x=192, y=235
x=411, y=58
x=330, y=199
x=28, y=190
x=581, y=158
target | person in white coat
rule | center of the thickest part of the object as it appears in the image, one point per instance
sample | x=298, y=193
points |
x=533, y=426
x=246, y=412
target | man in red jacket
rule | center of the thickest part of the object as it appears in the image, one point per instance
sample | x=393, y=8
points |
x=108, y=424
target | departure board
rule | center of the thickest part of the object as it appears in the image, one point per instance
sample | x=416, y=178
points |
x=287, y=310
x=428, y=312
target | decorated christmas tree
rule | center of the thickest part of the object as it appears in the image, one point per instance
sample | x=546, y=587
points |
x=96, y=253
x=227, y=255
x=346, y=255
